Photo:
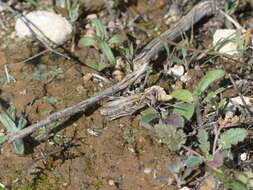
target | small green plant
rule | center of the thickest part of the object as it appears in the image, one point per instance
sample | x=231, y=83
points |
x=13, y=124
x=36, y=4
x=129, y=135
x=71, y=8
x=40, y=72
x=192, y=99
x=104, y=44
x=52, y=100
x=229, y=9
x=5, y=79
x=169, y=130
x=214, y=148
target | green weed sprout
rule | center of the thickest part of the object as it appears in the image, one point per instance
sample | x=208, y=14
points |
x=191, y=99
x=100, y=40
x=13, y=124
x=72, y=7
x=36, y=4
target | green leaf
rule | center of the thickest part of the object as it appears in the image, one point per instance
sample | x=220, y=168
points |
x=193, y=161
x=169, y=135
x=203, y=140
x=3, y=139
x=148, y=116
x=8, y=122
x=221, y=104
x=208, y=79
x=99, y=28
x=184, y=95
x=12, y=112
x=246, y=178
x=144, y=121
x=116, y=39
x=96, y=66
x=177, y=60
x=19, y=146
x=213, y=94
x=108, y=52
x=220, y=174
x=186, y=110
x=232, y=137
x=87, y=41
x=21, y=123
x=74, y=11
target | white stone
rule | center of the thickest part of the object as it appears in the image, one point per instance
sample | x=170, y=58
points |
x=92, y=132
x=185, y=78
x=177, y=70
x=185, y=188
x=91, y=16
x=53, y=26
x=147, y=170
x=243, y=156
x=226, y=36
x=111, y=182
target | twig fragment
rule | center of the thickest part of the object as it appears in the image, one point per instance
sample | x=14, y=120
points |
x=81, y=106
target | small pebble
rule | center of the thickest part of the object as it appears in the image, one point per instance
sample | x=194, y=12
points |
x=147, y=170
x=92, y=132
x=111, y=182
x=91, y=16
x=243, y=156
x=177, y=70
x=131, y=150
x=185, y=78
x=185, y=188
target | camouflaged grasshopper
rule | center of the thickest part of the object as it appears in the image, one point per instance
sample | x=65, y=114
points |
x=123, y=106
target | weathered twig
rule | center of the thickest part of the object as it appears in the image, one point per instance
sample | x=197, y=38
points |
x=140, y=63
x=81, y=106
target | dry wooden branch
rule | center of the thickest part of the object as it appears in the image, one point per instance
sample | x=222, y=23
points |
x=141, y=61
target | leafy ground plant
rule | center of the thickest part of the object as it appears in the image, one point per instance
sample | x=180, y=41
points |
x=192, y=99
x=13, y=124
x=72, y=8
x=214, y=147
x=99, y=39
